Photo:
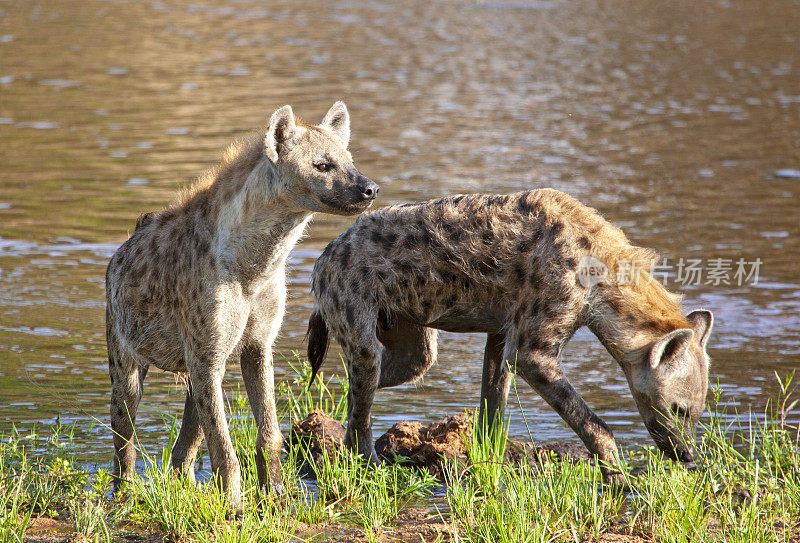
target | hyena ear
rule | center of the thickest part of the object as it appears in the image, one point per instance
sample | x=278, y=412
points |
x=279, y=132
x=670, y=348
x=337, y=120
x=701, y=320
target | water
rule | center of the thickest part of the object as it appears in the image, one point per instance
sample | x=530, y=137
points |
x=679, y=123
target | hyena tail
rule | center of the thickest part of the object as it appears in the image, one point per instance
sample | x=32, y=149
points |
x=318, y=341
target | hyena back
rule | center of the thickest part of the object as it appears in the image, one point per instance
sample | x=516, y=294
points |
x=507, y=265
x=204, y=282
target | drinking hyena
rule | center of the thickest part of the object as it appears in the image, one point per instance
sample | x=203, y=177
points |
x=204, y=282
x=508, y=266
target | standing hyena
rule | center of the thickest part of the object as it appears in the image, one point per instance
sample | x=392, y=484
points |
x=204, y=281
x=508, y=266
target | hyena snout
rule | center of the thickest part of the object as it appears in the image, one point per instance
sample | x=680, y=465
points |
x=367, y=188
x=674, y=442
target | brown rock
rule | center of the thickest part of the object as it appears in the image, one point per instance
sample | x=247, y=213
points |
x=317, y=432
x=427, y=446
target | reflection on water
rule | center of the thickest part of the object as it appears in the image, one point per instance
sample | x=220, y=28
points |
x=679, y=123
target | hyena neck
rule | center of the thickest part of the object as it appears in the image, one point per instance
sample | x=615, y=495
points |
x=255, y=230
x=629, y=319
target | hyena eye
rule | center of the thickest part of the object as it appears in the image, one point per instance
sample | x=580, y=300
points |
x=322, y=166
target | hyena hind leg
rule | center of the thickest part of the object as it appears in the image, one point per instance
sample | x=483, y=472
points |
x=408, y=351
x=127, y=380
x=495, y=381
x=189, y=439
x=362, y=372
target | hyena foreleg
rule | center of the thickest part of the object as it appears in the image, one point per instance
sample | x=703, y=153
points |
x=540, y=368
x=206, y=374
x=259, y=380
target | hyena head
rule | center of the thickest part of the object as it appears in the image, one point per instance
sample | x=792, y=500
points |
x=313, y=164
x=669, y=385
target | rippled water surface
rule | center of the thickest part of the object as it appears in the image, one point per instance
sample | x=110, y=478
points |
x=679, y=121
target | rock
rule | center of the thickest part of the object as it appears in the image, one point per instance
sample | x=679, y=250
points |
x=426, y=446
x=433, y=446
x=430, y=446
x=318, y=431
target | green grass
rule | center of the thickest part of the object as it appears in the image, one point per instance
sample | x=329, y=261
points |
x=746, y=487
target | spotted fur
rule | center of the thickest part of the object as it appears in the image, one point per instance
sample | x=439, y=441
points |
x=506, y=265
x=203, y=282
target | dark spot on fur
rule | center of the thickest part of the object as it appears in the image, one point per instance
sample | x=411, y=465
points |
x=427, y=238
x=570, y=263
x=365, y=353
x=524, y=206
x=404, y=267
x=349, y=313
x=389, y=240
x=455, y=235
x=556, y=228
x=410, y=241
x=583, y=242
x=457, y=199
x=535, y=343
x=344, y=256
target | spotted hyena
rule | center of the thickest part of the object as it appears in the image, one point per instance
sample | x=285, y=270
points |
x=204, y=282
x=509, y=266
